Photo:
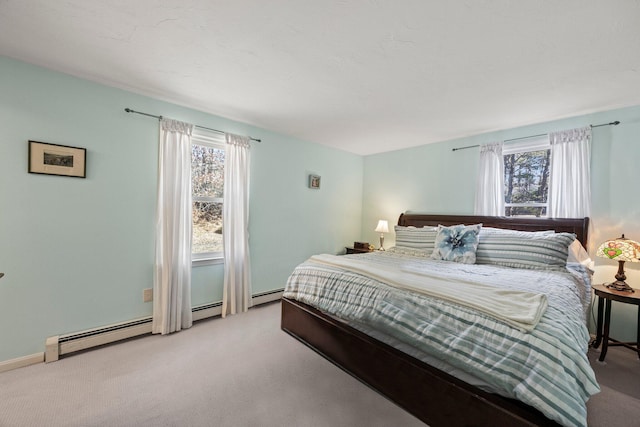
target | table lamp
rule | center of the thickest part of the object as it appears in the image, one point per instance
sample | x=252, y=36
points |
x=621, y=250
x=383, y=227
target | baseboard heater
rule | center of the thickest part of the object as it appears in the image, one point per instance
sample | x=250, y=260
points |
x=60, y=345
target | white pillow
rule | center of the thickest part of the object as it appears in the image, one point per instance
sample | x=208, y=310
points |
x=577, y=253
x=493, y=230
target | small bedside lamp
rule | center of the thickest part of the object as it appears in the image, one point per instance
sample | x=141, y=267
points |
x=383, y=227
x=621, y=250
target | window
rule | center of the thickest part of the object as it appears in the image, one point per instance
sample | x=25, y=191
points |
x=526, y=177
x=207, y=181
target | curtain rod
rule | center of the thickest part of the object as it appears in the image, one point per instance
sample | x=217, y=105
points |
x=129, y=110
x=616, y=123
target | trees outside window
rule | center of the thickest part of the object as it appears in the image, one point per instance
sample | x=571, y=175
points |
x=207, y=180
x=526, y=179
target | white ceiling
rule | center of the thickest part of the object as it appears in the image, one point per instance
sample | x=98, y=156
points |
x=362, y=76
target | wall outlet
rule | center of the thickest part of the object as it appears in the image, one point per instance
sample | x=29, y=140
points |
x=147, y=295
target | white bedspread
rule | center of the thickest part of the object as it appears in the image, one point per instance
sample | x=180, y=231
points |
x=520, y=309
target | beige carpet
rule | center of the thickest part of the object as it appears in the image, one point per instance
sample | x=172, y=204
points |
x=239, y=371
x=618, y=403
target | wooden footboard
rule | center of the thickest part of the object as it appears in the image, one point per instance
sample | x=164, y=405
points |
x=431, y=395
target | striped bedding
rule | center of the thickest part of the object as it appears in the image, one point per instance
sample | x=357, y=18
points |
x=547, y=368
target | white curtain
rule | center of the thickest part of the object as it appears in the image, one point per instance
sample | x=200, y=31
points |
x=570, y=183
x=490, y=185
x=172, y=275
x=236, y=295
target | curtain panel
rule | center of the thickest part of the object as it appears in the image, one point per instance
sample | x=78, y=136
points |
x=490, y=185
x=570, y=183
x=172, y=273
x=236, y=295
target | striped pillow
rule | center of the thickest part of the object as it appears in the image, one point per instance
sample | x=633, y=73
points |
x=522, y=249
x=422, y=239
x=408, y=251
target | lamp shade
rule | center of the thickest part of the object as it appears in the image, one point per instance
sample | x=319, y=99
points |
x=620, y=249
x=383, y=226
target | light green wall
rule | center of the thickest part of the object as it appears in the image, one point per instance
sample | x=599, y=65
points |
x=77, y=253
x=433, y=178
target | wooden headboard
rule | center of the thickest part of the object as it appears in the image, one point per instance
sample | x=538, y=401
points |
x=578, y=226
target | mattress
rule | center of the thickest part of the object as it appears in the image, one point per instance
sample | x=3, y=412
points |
x=546, y=368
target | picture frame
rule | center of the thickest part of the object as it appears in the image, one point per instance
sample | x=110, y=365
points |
x=54, y=159
x=314, y=182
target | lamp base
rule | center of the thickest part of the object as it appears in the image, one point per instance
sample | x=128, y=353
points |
x=620, y=285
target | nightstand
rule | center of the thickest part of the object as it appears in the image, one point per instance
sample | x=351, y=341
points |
x=351, y=250
x=605, y=296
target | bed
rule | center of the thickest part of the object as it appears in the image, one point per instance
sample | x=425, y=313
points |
x=405, y=372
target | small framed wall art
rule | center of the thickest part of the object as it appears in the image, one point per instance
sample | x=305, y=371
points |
x=53, y=159
x=314, y=181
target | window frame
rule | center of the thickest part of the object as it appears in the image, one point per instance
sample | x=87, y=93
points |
x=206, y=138
x=537, y=143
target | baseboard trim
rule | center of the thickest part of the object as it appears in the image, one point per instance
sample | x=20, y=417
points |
x=73, y=346
x=21, y=362
x=267, y=297
x=206, y=311
x=65, y=344
x=58, y=345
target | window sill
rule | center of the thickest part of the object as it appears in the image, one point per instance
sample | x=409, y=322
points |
x=206, y=261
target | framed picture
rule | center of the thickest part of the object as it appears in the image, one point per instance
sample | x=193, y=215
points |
x=314, y=181
x=53, y=159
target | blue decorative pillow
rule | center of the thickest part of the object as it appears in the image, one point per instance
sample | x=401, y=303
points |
x=457, y=243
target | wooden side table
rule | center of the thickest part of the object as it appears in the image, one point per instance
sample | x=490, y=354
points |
x=605, y=296
x=352, y=250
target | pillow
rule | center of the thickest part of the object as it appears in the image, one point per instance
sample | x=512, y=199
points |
x=524, y=249
x=577, y=253
x=457, y=243
x=509, y=231
x=421, y=239
x=409, y=251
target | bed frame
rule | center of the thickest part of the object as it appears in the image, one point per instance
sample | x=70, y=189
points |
x=431, y=395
